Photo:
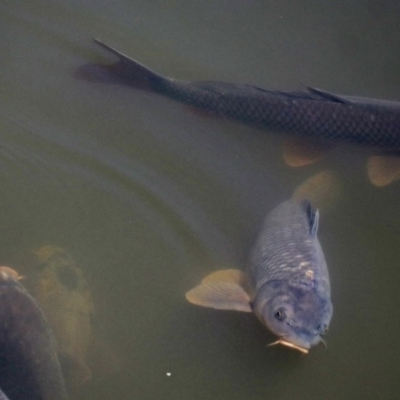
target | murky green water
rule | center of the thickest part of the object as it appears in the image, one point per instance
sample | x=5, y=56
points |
x=149, y=197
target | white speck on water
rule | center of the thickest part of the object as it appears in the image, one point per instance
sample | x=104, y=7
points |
x=168, y=373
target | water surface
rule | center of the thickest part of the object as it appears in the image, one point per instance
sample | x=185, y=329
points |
x=149, y=197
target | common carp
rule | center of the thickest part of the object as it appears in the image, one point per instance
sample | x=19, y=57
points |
x=321, y=118
x=29, y=364
x=287, y=281
x=61, y=290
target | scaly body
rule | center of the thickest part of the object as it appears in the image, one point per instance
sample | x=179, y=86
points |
x=288, y=276
x=313, y=113
x=321, y=118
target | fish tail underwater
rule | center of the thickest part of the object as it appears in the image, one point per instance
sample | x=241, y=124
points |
x=125, y=71
x=286, y=283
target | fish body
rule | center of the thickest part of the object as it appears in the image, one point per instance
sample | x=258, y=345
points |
x=322, y=117
x=286, y=283
x=312, y=113
x=29, y=364
x=288, y=276
x=61, y=290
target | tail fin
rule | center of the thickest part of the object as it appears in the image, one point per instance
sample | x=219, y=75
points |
x=125, y=72
x=321, y=189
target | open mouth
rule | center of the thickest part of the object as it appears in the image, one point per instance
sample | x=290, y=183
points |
x=290, y=344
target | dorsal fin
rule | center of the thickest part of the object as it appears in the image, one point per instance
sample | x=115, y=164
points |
x=313, y=217
x=361, y=101
x=323, y=95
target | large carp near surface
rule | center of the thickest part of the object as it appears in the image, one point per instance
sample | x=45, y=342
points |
x=317, y=119
x=29, y=365
x=287, y=281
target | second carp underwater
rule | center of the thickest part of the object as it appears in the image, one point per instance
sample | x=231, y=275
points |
x=287, y=282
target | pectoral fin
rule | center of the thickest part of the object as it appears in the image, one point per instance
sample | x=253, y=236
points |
x=383, y=170
x=222, y=290
x=298, y=153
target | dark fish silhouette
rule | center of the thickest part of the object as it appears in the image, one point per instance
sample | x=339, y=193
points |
x=324, y=118
x=29, y=365
x=59, y=286
x=287, y=282
x=61, y=290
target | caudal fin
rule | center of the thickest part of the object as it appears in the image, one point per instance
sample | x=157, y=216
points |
x=125, y=71
x=321, y=189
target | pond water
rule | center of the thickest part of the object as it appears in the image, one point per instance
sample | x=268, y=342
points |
x=149, y=197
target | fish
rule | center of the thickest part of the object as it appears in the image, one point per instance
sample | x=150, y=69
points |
x=286, y=283
x=315, y=119
x=61, y=290
x=29, y=364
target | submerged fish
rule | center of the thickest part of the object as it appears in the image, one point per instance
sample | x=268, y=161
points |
x=61, y=290
x=29, y=365
x=287, y=282
x=316, y=115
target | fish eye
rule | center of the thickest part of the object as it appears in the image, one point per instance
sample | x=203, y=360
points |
x=324, y=330
x=280, y=314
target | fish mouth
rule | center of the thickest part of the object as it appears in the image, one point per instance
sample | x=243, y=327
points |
x=291, y=345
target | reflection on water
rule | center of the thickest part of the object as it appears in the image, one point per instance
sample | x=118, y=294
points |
x=148, y=198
